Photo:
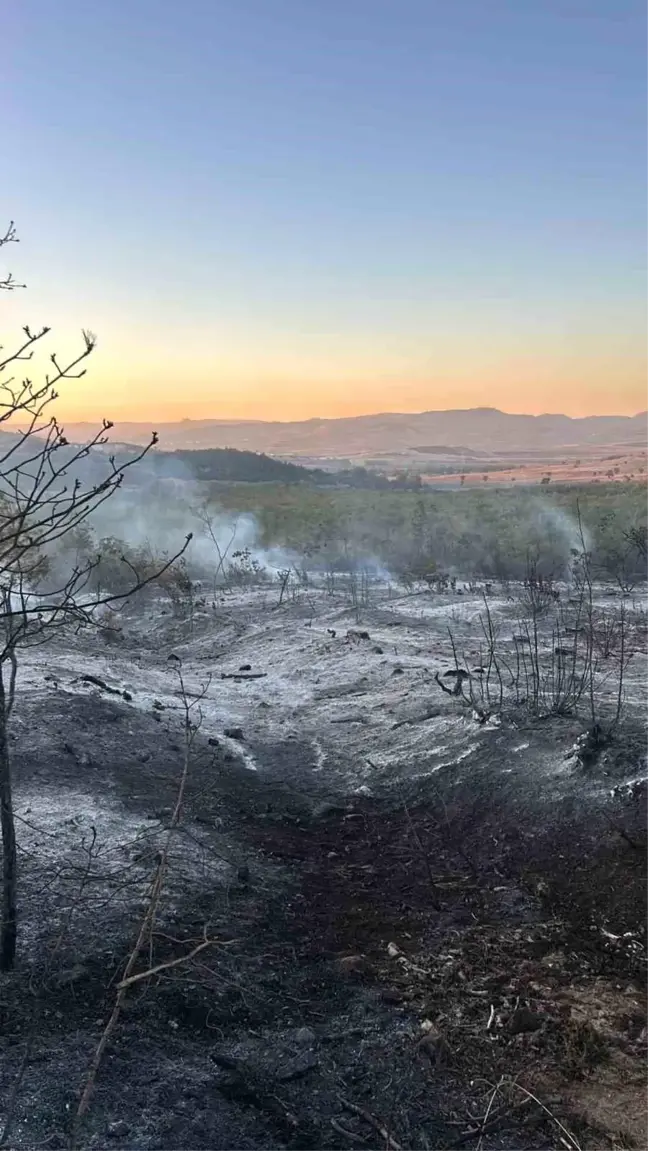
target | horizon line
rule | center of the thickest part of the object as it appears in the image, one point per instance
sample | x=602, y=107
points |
x=366, y=415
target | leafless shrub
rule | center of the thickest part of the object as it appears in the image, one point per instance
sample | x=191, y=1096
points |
x=539, y=593
x=221, y=575
x=177, y=585
x=482, y=687
x=44, y=496
x=359, y=587
x=609, y=629
x=558, y=652
x=554, y=680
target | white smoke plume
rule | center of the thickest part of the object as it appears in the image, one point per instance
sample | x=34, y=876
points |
x=161, y=515
x=554, y=522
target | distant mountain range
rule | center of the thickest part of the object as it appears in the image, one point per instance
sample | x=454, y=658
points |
x=486, y=431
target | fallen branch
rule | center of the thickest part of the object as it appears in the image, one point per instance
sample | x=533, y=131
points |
x=151, y=971
x=502, y=1113
x=350, y=1135
x=572, y=1141
x=30, y=1146
x=484, y=1122
x=505, y=1111
x=94, y=679
x=237, y=675
x=373, y=1122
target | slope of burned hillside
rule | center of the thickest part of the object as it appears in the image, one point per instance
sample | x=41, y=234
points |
x=387, y=920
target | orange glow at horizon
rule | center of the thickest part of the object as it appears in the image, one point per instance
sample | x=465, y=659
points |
x=156, y=375
x=524, y=386
x=334, y=233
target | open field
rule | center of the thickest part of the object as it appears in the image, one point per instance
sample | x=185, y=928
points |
x=620, y=466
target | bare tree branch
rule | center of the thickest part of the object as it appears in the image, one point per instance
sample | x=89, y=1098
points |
x=46, y=493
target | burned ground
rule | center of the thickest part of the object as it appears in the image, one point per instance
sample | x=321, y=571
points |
x=416, y=916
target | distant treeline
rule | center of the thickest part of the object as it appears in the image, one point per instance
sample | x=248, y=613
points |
x=228, y=465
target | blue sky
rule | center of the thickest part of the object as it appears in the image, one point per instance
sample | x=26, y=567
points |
x=311, y=208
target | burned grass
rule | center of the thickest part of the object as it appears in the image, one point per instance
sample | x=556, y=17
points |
x=452, y=958
x=493, y=969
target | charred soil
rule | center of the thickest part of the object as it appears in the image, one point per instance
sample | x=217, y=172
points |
x=450, y=958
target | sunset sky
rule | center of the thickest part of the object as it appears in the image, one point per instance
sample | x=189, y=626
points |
x=293, y=208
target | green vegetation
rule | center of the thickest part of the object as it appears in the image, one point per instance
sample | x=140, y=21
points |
x=233, y=466
x=490, y=532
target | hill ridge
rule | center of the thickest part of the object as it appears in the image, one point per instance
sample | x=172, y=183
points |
x=394, y=431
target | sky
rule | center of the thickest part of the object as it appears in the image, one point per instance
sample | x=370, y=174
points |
x=283, y=209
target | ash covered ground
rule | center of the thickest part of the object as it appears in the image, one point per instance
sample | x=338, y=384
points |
x=422, y=912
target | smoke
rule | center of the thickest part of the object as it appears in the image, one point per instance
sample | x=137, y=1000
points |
x=160, y=502
x=160, y=515
x=561, y=533
x=150, y=514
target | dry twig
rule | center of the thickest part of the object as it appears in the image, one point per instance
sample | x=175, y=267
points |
x=146, y=926
x=373, y=1122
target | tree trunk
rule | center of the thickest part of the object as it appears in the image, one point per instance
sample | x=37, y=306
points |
x=9, y=923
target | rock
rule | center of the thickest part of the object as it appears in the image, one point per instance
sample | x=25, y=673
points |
x=82, y=757
x=295, y=1068
x=325, y=808
x=243, y=873
x=523, y=1019
x=378, y=649
x=391, y=995
x=305, y=1037
x=245, y=667
x=118, y=1129
x=144, y=756
x=212, y=742
x=234, y=732
x=397, y=671
x=353, y=965
x=157, y=705
x=393, y=951
x=127, y=696
x=435, y=1047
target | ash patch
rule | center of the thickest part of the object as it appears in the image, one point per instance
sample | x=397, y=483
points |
x=390, y=872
